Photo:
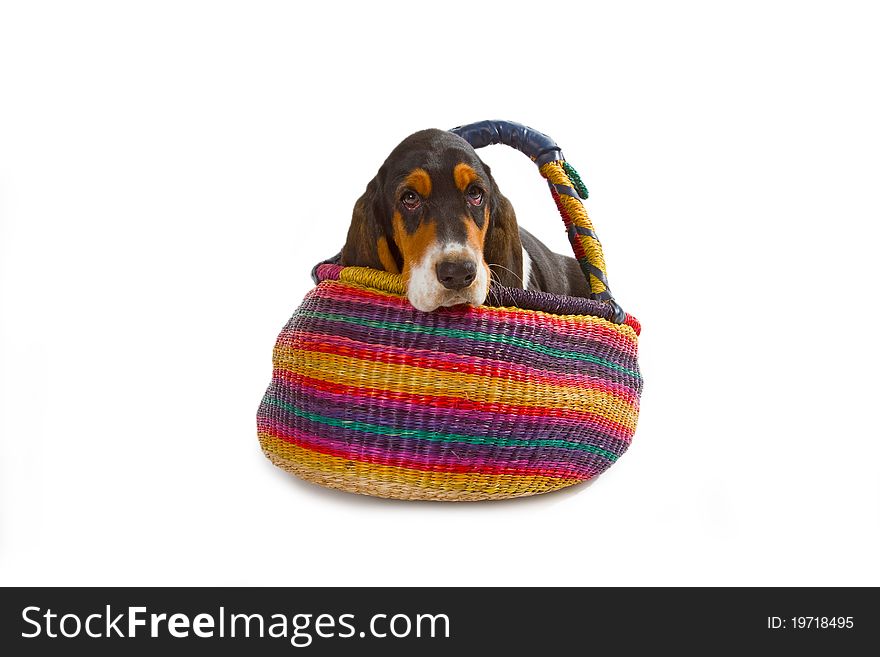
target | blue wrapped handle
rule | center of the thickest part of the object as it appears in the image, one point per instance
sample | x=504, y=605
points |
x=536, y=145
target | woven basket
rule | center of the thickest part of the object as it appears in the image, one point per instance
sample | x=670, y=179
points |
x=527, y=395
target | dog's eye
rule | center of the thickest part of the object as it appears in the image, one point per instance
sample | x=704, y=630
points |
x=475, y=195
x=410, y=200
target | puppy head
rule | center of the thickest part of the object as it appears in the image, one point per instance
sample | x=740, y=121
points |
x=434, y=214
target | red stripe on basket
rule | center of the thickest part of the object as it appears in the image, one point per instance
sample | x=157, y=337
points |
x=634, y=324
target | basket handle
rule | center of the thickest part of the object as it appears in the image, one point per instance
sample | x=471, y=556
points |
x=567, y=190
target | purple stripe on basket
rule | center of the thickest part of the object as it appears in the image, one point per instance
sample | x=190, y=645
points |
x=572, y=327
x=556, y=304
x=464, y=421
x=361, y=446
x=545, y=336
x=485, y=350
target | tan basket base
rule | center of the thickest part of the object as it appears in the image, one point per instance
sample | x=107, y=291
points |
x=354, y=483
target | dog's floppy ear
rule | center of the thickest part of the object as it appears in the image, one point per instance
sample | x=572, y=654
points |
x=370, y=242
x=502, y=249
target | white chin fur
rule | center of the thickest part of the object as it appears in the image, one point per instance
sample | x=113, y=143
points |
x=426, y=293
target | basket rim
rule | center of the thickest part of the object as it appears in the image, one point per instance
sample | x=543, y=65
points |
x=501, y=296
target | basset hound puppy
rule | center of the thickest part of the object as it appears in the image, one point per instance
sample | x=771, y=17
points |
x=434, y=214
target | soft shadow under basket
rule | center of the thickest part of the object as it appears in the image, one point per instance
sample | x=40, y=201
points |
x=527, y=394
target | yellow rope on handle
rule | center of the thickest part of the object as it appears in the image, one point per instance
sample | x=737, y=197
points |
x=581, y=234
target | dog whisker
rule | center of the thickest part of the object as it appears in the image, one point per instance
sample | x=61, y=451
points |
x=492, y=264
x=493, y=295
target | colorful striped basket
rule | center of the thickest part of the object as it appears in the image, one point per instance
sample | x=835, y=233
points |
x=527, y=395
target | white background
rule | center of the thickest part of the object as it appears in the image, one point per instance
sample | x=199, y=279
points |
x=170, y=171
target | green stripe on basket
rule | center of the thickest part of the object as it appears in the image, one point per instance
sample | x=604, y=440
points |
x=437, y=436
x=473, y=335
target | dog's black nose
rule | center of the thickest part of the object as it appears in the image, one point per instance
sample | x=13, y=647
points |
x=456, y=274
